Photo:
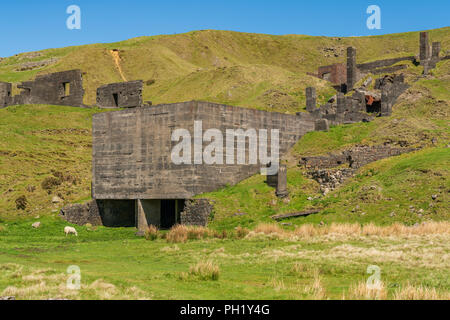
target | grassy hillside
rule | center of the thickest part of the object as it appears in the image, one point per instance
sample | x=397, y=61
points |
x=46, y=150
x=391, y=190
x=38, y=143
x=251, y=70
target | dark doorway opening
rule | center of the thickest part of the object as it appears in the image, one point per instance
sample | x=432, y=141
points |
x=117, y=213
x=170, y=213
x=65, y=89
x=375, y=107
x=116, y=99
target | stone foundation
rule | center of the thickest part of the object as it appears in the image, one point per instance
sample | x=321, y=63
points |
x=196, y=212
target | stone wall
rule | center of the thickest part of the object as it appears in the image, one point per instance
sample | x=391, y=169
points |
x=132, y=149
x=389, y=69
x=108, y=213
x=120, y=95
x=196, y=212
x=333, y=169
x=82, y=214
x=354, y=158
x=373, y=66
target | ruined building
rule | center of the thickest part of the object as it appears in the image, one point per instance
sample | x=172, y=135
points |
x=132, y=167
x=61, y=88
x=345, y=75
x=5, y=94
x=120, y=95
x=364, y=104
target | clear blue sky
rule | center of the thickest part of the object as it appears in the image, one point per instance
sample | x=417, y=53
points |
x=28, y=25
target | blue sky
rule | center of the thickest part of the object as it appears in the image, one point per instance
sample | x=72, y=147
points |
x=29, y=25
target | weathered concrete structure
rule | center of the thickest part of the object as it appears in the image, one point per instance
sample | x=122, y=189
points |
x=282, y=190
x=120, y=95
x=429, y=55
x=132, y=153
x=424, y=47
x=61, y=88
x=345, y=76
x=335, y=73
x=311, y=99
x=5, y=94
x=322, y=125
x=352, y=71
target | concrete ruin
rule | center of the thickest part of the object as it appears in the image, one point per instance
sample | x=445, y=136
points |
x=333, y=169
x=335, y=73
x=429, y=54
x=120, y=95
x=5, y=94
x=133, y=163
x=61, y=88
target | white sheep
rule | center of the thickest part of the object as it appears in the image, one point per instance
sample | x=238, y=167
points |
x=70, y=230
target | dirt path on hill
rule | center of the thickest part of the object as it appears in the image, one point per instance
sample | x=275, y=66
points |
x=116, y=57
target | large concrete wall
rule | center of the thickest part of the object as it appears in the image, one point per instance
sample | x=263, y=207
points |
x=132, y=149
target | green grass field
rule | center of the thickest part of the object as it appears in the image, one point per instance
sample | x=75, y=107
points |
x=116, y=265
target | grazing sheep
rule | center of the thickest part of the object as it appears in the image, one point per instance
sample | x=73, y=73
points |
x=70, y=230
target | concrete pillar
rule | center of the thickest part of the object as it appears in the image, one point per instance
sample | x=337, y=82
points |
x=148, y=212
x=311, y=99
x=351, y=68
x=386, y=104
x=282, y=190
x=359, y=102
x=424, y=47
x=141, y=219
x=436, y=50
x=341, y=103
x=321, y=125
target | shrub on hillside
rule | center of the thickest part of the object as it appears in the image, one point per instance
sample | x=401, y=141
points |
x=21, y=203
x=49, y=183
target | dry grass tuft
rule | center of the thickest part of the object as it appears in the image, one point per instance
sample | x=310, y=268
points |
x=410, y=292
x=241, y=232
x=182, y=233
x=362, y=292
x=205, y=271
x=316, y=289
x=268, y=229
x=177, y=234
x=151, y=233
x=277, y=284
x=352, y=230
x=49, y=284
